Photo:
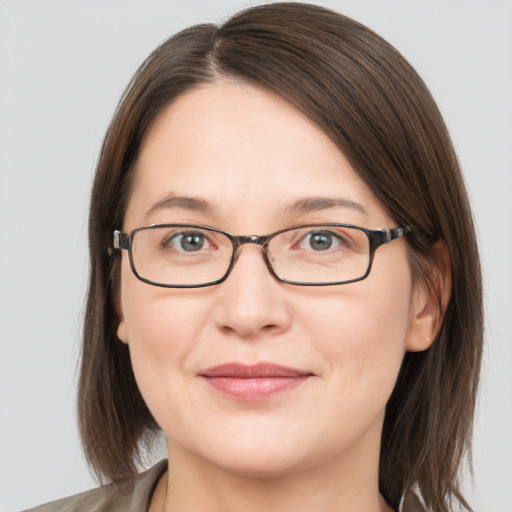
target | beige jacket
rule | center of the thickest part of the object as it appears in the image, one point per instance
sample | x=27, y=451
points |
x=135, y=495
x=132, y=496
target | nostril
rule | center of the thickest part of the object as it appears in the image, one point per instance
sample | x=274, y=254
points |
x=246, y=331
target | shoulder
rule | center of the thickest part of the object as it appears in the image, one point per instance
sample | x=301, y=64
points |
x=130, y=496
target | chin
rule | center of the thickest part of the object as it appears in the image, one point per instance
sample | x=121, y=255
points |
x=262, y=466
x=271, y=454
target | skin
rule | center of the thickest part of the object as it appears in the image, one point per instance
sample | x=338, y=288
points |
x=249, y=155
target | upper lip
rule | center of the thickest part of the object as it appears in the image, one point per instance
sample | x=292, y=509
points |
x=255, y=371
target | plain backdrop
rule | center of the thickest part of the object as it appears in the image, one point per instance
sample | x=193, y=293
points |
x=63, y=66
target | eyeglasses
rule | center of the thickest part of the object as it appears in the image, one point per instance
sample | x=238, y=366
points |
x=188, y=256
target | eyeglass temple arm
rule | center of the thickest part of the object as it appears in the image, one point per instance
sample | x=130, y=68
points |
x=121, y=240
x=393, y=234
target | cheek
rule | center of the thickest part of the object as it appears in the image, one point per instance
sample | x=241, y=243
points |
x=161, y=328
x=361, y=331
x=360, y=319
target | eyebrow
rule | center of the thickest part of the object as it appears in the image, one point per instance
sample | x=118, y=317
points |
x=305, y=205
x=314, y=204
x=186, y=203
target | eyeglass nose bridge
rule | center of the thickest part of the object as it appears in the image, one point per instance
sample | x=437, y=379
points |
x=240, y=240
x=261, y=240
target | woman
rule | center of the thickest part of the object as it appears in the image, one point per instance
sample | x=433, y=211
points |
x=335, y=366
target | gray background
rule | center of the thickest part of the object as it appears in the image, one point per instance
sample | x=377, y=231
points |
x=63, y=66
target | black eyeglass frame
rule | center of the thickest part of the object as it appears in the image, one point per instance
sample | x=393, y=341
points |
x=376, y=237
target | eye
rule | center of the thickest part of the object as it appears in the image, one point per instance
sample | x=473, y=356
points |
x=320, y=241
x=191, y=241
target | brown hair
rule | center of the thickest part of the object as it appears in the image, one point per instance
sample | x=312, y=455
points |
x=362, y=93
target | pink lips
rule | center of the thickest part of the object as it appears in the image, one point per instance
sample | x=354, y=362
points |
x=253, y=383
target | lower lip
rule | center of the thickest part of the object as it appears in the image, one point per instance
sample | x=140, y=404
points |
x=254, y=389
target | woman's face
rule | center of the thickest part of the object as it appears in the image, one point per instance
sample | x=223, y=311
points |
x=243, y=158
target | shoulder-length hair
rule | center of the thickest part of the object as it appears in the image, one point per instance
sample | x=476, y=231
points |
x=363, y=94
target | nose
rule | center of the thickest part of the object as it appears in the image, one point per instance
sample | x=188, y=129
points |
x=251, y=301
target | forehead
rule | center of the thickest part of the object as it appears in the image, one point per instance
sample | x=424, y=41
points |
x=241, y=149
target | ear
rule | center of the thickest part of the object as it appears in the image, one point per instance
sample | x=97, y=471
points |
x=121, y=327
x=430, y=297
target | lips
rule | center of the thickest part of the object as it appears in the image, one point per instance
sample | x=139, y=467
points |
x=253, y=382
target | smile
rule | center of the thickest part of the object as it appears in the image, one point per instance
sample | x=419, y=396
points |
x=255, y=382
